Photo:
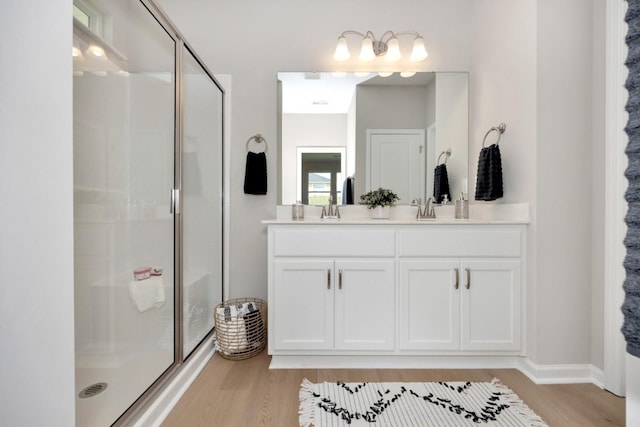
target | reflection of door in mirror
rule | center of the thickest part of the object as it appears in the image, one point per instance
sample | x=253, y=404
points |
x=396, y=160
x=320, y=174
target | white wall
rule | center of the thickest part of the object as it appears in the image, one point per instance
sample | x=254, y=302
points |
x=564, y=193
x=633, y=390
x=452, y=118
x=538, y=81
x=502, y=88
x=598, y=183
x=36, y=221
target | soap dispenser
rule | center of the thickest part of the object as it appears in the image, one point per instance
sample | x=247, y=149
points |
x=462, y=208
x=297, y=211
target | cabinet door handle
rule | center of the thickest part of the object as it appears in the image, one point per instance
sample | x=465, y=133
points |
x=340, y=278
x=468, y=278
x=457, y=278
x=328, y=278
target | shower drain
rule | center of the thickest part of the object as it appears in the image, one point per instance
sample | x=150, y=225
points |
x=92, y=390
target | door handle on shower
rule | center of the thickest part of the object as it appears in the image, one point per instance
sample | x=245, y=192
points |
x=174, y=206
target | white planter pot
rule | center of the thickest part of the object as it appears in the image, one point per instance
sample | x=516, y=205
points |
x=380, y=212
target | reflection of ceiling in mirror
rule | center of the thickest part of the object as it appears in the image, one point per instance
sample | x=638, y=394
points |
x=326, y=93
x=317, y=93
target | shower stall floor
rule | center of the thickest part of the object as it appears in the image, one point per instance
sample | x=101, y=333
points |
x=125, y=381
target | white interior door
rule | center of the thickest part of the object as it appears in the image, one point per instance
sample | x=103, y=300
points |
x=396, y=160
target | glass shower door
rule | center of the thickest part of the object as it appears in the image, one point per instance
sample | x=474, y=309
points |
x=202, y=201
x=124, y=132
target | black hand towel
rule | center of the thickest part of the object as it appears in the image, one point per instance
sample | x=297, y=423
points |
x=441, y=183
x=347, y=191
x=489, y=180
x=255, y=174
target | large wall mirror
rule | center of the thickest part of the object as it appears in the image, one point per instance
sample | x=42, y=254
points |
x=371, y=131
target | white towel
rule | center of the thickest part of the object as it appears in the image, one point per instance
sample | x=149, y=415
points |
x=235, y=334
x=147, y=294
x=231, y=325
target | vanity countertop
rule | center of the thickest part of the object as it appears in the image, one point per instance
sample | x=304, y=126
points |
x=364, y=221
x=405, y=215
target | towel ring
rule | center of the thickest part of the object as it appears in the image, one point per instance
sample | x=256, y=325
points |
x=446, y=153
x=500, y=129
x=259, y=139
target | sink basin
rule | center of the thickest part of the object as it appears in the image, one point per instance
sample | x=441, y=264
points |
x=445, y=211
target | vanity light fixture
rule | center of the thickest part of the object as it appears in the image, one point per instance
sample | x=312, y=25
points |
x=387, y=46
x=385, y=73
x=407, y=74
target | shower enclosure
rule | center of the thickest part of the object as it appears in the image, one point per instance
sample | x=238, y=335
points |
x=147, y=205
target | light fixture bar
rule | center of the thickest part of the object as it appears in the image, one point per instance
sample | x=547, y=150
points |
x=387, y=46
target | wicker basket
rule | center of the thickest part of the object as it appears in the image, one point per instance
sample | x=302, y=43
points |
x=241, y=327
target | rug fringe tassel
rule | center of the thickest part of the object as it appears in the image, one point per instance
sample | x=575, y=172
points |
x=517, y=404
x=306, y=397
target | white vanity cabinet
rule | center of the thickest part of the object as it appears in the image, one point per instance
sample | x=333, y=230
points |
x=460, y=288
x=331, y=288
x=460, y=305
x=382, y=289
x=329, y=304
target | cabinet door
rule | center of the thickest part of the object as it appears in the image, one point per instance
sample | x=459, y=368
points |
x=429, y=309
x=303, y=305
x=365, y=305
x=490, y=305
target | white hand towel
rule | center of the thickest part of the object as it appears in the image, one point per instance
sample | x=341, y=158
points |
x=147, y=294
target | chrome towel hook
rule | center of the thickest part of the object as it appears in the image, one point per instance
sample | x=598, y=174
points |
x=446, y=154
x=259, y=139
x=500, y=129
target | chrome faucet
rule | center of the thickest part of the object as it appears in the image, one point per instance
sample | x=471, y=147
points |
x=428, y=211
x=329, y=212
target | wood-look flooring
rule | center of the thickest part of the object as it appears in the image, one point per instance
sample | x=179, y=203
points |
x=247, y=393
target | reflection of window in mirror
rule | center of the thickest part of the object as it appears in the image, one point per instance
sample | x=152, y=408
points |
x=92, y=15
x=320, y=177
x=319, y=174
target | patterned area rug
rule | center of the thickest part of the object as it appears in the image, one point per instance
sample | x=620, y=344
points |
x=436, y=404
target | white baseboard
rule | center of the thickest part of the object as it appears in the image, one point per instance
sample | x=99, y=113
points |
x=164, y=403
x=562, y=374
x=539, y=374
x=393, y=362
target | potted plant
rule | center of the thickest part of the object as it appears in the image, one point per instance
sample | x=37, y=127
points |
x=379, y=202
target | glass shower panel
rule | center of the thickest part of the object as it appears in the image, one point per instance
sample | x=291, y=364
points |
x=202, y=201
x=123, y=117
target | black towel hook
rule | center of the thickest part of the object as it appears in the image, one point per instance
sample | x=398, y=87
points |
x=259, y=139
x=500, y=129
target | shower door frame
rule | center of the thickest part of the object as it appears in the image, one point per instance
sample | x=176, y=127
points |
x=181, y=46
